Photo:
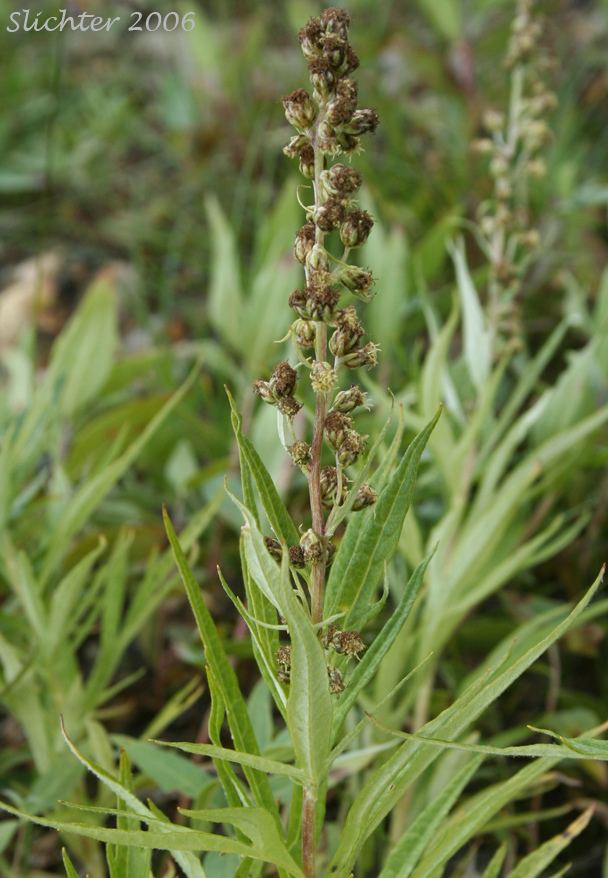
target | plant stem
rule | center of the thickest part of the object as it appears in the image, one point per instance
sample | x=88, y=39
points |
x=314, y=484
x=308, y=833
x=317, y=585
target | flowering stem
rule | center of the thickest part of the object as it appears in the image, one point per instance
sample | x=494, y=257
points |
x=317, y=584
x=314, y=483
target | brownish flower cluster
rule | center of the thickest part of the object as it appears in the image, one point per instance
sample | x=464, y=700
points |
x=327, y=334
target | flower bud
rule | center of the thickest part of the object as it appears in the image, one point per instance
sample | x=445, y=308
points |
x=340, y=180
x=327, y=140
x=335, y=21
x=530, y=239
x=296, y=557
x=299, y=452
x=351, y=447
x=493, y=121
x=365, y=356
x=536, y=168
x=322, y=77
x=329, y=486
x=262, y=389
x=321, y=301
x=329, y=215
x=317, y=259
x=483, y=146
x=341, y=107
x=337, y=425
x=503, y=188
x=343, y=341
x=304, y=242
x=322, y=377
x=351, y=62
x=283, y=655
x=343, y=642
x=283, y=380
x=298, y=300
x=355, y=230
x=296, y=144
x=307, y=162
x=348, y=400
x=363, y=122
x=300, y=111
x=334, y=50
x=499, y=166
x=274, y=548
x=312, y=547
x=310, y=38
x=288, y=406
x=336, y=681
x=358, y=280
x=347, y=143
x=304, y=333
x=366, y=496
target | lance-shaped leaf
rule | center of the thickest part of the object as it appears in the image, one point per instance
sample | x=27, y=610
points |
x=222, y=673
x=262, y=763
x=468, y=820
x=366, y=668
x=277, y=514
x=387, y=784
x=536, y=862
x=259, y=827
x=412, y=844
x=174, y=839
x=371, y=540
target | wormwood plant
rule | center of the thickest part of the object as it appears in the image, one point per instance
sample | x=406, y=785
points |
x=311, y=798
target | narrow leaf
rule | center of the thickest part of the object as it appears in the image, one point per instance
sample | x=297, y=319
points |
x=222, y=672
x=536, y=862
x=366, y=668
x=360, y=558
x=262, y=763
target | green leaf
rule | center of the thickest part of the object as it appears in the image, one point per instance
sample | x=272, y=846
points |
x=387, y=254
x=366, y=668
x=477, y=338
x=93, y=328
x=70, y=871
x=259, y=826
x=536, y=862
x=445, y=16
x=585, y=748
x=225, y=297
x=93, y=491
x=521, y=751
x=174, y=839
x=278, y=516
x=413, y=842
x=169, y=771
x=494, y=866
x=262, y=763
x=387, y=783
x=309, y=706
x=222, y=673
x=469, y=819
x=364, y=548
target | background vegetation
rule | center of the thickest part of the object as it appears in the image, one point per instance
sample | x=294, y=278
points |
x=146, y=224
